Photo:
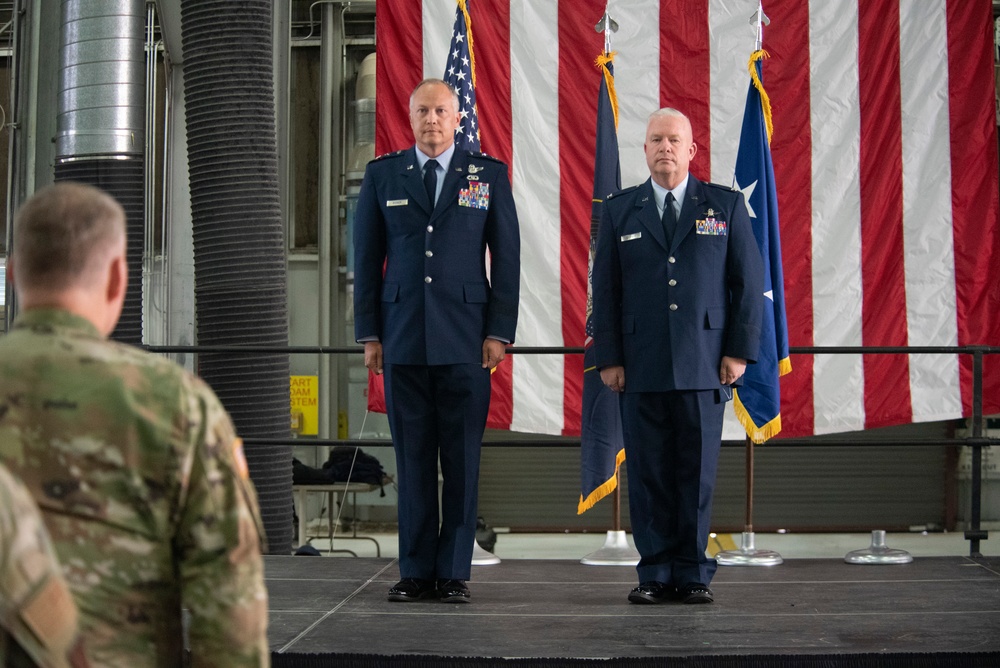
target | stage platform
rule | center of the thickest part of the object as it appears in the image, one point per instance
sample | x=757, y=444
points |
x=935, y=611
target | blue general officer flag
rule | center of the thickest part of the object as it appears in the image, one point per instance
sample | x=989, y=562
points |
x=460, y=72
x=758, y=402
x=602, y=449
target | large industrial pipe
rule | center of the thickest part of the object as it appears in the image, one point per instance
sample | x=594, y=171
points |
x=99, y=122
x=240, y=279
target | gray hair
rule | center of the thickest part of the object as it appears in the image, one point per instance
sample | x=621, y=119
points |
x=668, y=111
x=431, y=81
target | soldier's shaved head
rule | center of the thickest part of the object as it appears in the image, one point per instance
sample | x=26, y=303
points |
x=69, y=253
x=64, y=235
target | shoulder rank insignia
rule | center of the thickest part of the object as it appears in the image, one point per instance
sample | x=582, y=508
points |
x=487, y=156
x=387, y=155
x=619, y=193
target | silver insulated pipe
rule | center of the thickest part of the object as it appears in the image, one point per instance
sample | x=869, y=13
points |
x=100, y=121
x=102, y=79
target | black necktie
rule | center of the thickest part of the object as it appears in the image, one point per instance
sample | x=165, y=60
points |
x=668, y=219
x=431, y=179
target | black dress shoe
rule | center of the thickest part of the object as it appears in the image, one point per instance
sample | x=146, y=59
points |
x=697, y=593
x=453, y=591
x=652, y=592
x=411, y=589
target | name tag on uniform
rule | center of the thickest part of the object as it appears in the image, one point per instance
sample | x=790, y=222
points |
x=630, y=237
x=397, y=202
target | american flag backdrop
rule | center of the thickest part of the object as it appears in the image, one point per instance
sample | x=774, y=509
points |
x=885, y=159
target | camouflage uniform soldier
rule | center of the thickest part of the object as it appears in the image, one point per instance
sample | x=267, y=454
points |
x=133, y=461
x=37, y=615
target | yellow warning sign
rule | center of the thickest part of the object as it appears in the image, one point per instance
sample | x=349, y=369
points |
x=305, y=405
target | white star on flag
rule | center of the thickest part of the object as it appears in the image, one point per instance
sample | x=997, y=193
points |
x=459, y=73
x=747, y=194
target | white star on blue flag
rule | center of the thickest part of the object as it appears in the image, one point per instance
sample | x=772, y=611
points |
x=458, y=73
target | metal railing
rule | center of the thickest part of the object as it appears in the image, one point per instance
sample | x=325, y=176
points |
x=976, y=441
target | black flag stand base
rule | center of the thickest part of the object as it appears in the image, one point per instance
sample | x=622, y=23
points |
x=616, y=550
x=748, y=554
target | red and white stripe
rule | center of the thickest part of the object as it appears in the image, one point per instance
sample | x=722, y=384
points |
x=885, y=155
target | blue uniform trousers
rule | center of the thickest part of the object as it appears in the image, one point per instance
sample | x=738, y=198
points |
x=672, y=443
x=437, y=411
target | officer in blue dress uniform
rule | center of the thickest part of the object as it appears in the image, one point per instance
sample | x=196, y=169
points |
x=436, y=322
x=678, y=294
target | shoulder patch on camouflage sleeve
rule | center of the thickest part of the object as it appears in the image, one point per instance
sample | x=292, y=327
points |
x=51, y=615
x=240, y=458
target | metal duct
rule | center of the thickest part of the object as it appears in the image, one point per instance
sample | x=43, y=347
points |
x=240, y=280
x=123, y=180
x=102, y=78
x=99, y=138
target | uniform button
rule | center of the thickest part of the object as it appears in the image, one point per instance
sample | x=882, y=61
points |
x=427, y=279
x=429, y=253
x=430, y=228
x=673, y=307
x=672, y=282
x=671, y=259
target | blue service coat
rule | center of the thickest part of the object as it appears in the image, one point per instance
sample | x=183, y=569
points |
x=435, y=304
x=669, y=314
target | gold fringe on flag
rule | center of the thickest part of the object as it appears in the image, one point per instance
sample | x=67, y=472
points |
x=602, y=62
x=757, y=434
x=784, y=367
x=463, y=5
x=765, y=101
x=606, y=488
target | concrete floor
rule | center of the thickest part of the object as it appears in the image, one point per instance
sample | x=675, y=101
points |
x=579, y=545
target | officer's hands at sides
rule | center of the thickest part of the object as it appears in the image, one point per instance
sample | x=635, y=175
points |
x=493, y=353
x=731, y=369
x=614, y=378
x=373, y=356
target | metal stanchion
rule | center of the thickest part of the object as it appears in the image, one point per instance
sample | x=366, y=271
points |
x=878, y=553
x=748, y=554
x=481, y=557
x=616, y=550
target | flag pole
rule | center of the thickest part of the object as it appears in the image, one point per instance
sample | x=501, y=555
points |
x=616, y=550
x=748, y=554
x=748, y=520
x=616, y=504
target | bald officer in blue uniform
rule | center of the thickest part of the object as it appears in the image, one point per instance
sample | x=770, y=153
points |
x=678, y=294
x=436, y=323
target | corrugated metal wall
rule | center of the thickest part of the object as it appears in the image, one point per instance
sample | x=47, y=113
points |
x=816, y=487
